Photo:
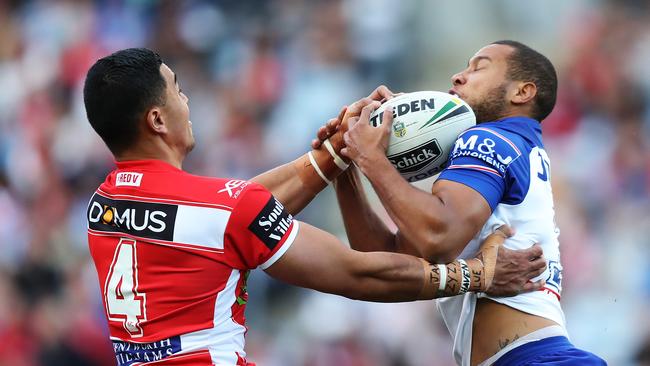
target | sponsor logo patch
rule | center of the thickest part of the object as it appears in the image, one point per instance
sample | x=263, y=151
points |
x=144, y=219
x=128, y=179
x=127, y=353
x=416, y=158
x=272, y=223
x=486, y=145
x=234, y=187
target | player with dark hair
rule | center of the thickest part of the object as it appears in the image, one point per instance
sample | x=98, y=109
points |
x=173, y=250
x=498, y=173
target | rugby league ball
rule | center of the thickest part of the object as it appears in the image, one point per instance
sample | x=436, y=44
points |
x=426, y=125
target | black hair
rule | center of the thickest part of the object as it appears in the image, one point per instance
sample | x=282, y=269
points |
x=119, y=89
x=526, y=64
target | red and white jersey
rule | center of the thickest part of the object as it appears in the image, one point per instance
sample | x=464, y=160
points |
x=172, y=252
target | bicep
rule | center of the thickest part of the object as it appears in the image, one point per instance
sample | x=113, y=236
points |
x=316, y=260
x=466, y=212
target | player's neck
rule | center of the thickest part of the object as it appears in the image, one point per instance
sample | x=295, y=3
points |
x=515, y=112
x=152, y=152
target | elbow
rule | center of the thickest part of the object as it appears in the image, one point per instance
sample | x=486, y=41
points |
x=440, y=256
x=353, y=293
x=352, y=274
x=371, y=279
x=364, y=289
x=438, y=246
x=355, y=289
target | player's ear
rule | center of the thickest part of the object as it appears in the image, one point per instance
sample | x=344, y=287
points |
x=155, y=121
x=524, y=92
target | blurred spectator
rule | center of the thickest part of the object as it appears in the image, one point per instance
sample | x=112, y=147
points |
x=261, y=77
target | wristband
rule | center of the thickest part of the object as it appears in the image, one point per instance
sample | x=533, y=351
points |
x=337, y=159
x=442, y=268
x=317, y=168
x=465, y=277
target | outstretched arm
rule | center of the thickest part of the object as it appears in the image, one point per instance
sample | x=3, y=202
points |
x=296, y=183
x=317, y=260
x=285, y=184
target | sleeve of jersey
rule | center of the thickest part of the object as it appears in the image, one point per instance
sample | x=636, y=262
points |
x=480, y=160
x=260, y=230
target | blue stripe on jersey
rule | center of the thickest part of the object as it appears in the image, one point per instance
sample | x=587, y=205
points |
x=488, y=159
x=549, y=351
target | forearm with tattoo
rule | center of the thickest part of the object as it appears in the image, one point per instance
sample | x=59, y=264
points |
x=455, y=278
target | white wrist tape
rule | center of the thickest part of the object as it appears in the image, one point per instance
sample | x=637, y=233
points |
x=465, y=277
x=317, y=168
x=337, y=159
x=442, y=268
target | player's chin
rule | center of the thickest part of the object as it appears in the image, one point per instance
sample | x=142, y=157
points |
x=191, y=141
x=190, y=145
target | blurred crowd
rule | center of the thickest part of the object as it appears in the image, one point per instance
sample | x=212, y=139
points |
x=261, y=77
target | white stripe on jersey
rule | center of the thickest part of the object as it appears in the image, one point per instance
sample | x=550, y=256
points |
x=226, y=338
x=477, y=167
x=201, y=226
x=287, y=243
x=159, y=242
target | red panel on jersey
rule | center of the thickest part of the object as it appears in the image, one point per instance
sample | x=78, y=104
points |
x=172, y=252
x=258, y=227
x=185, y=288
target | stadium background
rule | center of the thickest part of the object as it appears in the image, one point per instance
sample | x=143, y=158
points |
x=261, y=77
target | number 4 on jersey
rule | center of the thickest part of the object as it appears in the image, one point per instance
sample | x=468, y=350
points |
x=123, y=302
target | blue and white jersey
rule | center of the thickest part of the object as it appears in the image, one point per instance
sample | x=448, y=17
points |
x=506, y=163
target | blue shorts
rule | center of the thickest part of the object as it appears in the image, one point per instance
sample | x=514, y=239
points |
x=549, y=351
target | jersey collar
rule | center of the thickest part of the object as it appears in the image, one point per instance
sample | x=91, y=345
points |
x=148, y=165
x=532, y=123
